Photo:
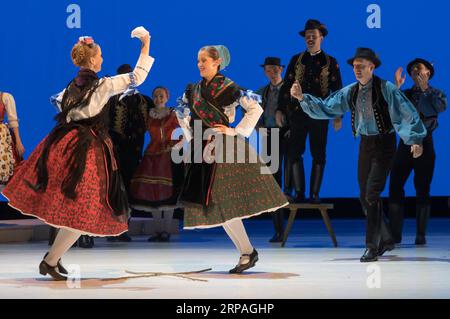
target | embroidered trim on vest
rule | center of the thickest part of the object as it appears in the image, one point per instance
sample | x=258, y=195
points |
x=324, y=74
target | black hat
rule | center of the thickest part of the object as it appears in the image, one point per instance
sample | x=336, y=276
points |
x=124, y=69
x=312, y=24
x=272, y=61
x=366, y=53
x=427, y=64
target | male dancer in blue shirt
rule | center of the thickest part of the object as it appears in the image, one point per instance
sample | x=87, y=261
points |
x=429, y=102
x=378, y=110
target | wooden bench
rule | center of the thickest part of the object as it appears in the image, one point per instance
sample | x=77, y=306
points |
x=323, y=208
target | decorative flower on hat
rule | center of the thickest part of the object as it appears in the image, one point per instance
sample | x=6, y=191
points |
x=86, y=40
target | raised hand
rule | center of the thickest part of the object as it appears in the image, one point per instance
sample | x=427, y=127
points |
x=400, y=78
x=140, y=33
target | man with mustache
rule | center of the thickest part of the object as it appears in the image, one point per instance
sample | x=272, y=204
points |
x=378, y=110
x=319, y=75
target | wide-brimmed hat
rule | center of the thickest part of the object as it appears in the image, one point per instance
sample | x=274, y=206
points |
x=313, y=24
x=427, y=64
x=366, y=53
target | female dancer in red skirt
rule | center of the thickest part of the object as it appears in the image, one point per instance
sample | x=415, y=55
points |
x=157, y=181
x=71, y=180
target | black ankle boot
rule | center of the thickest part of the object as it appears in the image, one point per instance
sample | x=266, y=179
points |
x=277, y=219
x=396, y=216
x=46, y=269
x=61, y=268
x=370, y=255
x=298, y=176
x=240, y=268
x=124, y=238
x=422, y=217
x=164, y=237
x=316, y=182
x=373, y=225
x=85, y=242
x=155, y=238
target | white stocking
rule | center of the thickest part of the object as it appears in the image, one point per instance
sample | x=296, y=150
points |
x=239, y=236
x=63, y=241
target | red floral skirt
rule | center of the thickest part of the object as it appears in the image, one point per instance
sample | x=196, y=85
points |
x=89, y=213
x=152, y=182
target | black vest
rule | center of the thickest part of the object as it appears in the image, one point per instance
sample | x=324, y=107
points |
x=379, y=104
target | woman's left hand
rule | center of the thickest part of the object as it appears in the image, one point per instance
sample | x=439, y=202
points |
x=222, y=129
x=20, y=149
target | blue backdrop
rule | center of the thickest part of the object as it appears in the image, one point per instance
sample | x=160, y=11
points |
x=36, y=42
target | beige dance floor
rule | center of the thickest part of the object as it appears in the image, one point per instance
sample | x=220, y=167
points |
x=308, y=267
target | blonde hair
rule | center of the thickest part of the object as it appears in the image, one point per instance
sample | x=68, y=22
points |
x=82, y=52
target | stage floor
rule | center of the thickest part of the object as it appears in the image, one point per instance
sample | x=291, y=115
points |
x=308, y=267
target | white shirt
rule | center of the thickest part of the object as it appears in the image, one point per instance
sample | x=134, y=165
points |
x=253, y=112
x=11, y=112
x=109, y=87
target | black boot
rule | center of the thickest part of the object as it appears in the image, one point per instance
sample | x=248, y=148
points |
x=298, y=176
x=242, y=267
x=288, y=180
x=316, y=182
x=155, y=238
x=373, y=231
x=124, y=238
x=422, y=217
x=85, y=242
x=396, y=216
x=277, y=218
x=387, y=241
x=52, y=235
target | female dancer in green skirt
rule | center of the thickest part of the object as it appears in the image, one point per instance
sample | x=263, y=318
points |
x=225, y=180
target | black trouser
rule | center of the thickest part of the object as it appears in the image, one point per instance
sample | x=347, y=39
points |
x=302, y=126
x=281, y=154
x=128, y=156
x=277, y=216
x=376, y=154
x=423, y=167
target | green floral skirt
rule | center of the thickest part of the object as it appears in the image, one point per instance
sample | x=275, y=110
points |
x=242, y=188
